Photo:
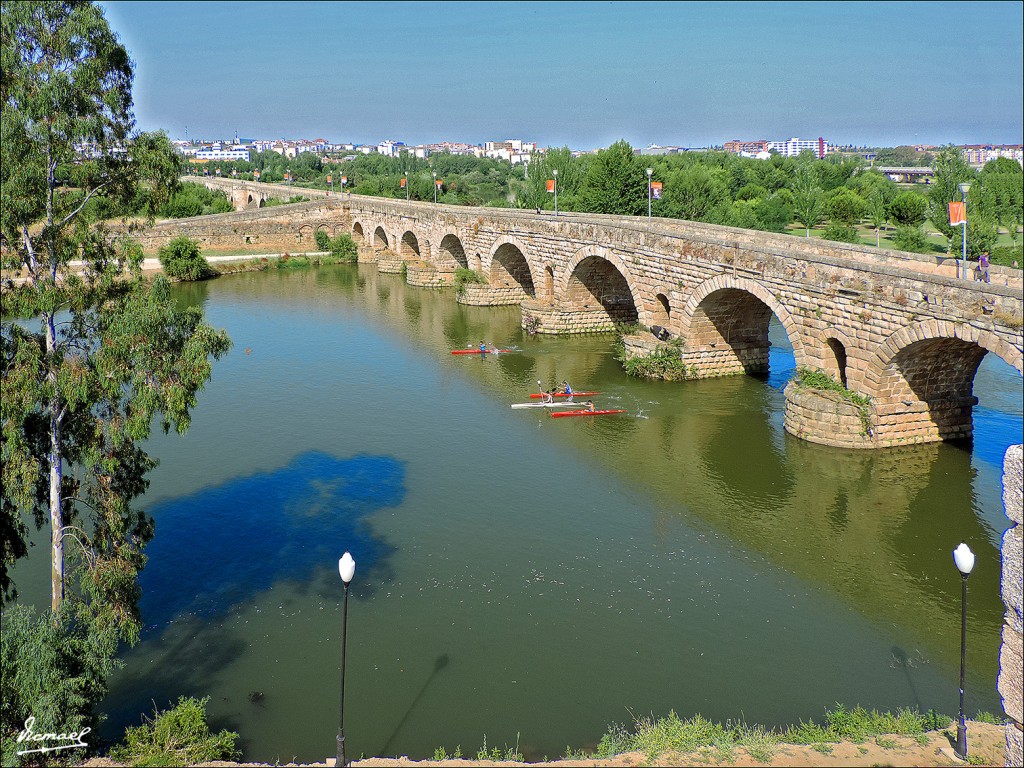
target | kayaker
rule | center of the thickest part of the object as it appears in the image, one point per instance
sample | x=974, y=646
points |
x=590, y=406
x=566, y=389
x=483, y=347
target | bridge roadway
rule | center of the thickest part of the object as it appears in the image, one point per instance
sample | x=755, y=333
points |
x=899, y=328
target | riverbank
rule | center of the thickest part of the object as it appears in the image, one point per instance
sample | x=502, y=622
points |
x=986, y=745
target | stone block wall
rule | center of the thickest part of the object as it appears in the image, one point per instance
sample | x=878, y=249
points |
x=367, y=255
x=825, y=418
x=479, y=295
x=389, y=262
x=557, y=319
x=1011, y=658
x=423, y=275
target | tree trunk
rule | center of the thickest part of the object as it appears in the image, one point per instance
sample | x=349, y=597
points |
x=56, y=472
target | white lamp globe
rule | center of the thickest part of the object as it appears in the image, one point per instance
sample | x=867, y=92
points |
x=346, y=567
x=964, y=559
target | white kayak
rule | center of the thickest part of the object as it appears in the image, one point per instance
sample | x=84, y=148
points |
x=549, y=405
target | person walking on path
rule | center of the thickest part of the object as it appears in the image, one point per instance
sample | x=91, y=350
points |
x=983, y=265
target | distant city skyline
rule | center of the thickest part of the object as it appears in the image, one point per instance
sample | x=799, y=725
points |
x=579, y=74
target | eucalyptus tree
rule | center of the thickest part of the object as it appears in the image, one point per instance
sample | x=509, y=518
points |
x=94, y=353
x=808, y=200
x=877, y=213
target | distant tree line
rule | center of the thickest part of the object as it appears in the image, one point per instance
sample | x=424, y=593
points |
x=834, y=196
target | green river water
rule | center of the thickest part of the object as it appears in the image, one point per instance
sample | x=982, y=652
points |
x=523, y=577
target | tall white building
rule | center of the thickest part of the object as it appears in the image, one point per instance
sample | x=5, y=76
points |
x=793, y=147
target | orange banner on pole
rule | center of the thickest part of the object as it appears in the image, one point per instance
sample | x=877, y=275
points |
x=551, y=185
x=656, y=190
x=438, y=183
x=344, y=180
x=403, y=184
x=957, y=214
x=329, y=179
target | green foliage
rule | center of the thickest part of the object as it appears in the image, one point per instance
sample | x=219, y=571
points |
x=193, y=199
x=908, y=209
x=672, y=734
x=846, y=207
x=951, y=169
x=901, y=157
x=104, y=352
x=815, y=379
x=182, y=259
x=988, y=717
x=616, y=182
x=274, y=201
x=343, y=247
x=496, y=755
x=808, y=201
x=911, y=239
x=174, y=737
x=840, y=233
x=464, y=276
x=52, y=669
x=1008, y=256
x=664, y=363
x=773, y=213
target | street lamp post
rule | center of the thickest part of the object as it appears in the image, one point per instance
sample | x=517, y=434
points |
x=963, y=192
x=288, y=173
x=406, y=186
x=649, y=172
x=554, y=172
x=435, y=185
x=347, y=569
x=964, y=559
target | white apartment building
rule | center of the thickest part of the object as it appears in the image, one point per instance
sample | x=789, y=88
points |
x=793, y=147
x=390, y=148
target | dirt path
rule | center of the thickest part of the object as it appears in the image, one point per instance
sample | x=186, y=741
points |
x=986, y=744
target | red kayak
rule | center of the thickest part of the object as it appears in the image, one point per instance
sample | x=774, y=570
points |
x=560, y=414
x=569, y=394
x=478, y=351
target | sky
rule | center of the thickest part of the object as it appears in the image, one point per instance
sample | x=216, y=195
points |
x=579, y=74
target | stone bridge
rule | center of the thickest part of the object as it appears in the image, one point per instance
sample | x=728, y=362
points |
x=898, y=328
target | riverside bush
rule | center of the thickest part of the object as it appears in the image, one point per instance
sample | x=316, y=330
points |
x=178, y=736
x=182, y=260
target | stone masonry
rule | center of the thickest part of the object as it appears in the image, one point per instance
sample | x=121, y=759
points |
x=1011, y=659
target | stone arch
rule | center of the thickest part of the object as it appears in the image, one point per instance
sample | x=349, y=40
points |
x=476, y=263
x=451, y=253
x=357, y=233
x=839, y=358
x=921, y=380
x=597, y=277
x=409, y=247
x=660, y=310
x=724, y=327
x=509, y=267
x=380, y=239
x=305, y=234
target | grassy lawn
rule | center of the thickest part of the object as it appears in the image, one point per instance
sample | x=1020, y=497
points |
x=867, y=234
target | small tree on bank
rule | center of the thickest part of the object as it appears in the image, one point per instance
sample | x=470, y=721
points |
x=182, y=260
